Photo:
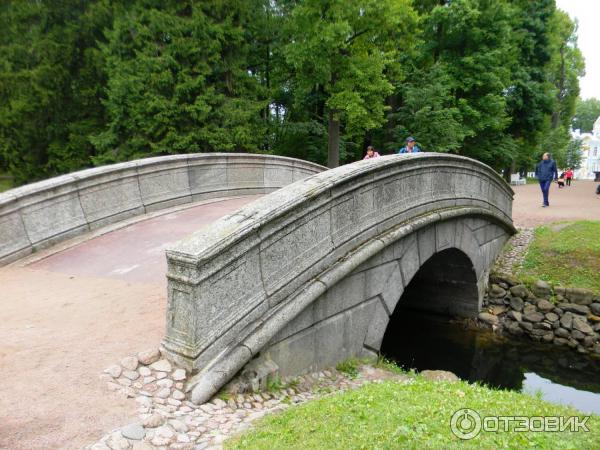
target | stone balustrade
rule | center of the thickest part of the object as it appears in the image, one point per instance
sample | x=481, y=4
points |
x=41, y=214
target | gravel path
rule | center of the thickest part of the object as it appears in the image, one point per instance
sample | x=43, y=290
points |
x=576, y=202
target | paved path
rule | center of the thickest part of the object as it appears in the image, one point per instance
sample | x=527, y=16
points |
x=576, y=202
x=67, y=317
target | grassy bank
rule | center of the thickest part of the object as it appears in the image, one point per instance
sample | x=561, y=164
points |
x=416, y=414
x=565, y=253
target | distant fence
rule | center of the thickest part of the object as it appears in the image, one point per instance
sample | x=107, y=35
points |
x=41, y=214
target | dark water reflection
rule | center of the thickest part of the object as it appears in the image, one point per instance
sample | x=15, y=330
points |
x=419, y=341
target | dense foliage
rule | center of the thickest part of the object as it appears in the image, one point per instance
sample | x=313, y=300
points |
x=88, y=82
x=586, y=113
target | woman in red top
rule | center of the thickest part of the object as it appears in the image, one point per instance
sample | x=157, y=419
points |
x=569, y=176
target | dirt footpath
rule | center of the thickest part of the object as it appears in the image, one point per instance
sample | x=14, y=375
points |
x=67, y=317
x=576, y=202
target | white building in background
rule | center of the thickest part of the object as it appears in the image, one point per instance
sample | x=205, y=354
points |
x=590, y=157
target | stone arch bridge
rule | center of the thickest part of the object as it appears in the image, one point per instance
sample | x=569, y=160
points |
x=310, y=274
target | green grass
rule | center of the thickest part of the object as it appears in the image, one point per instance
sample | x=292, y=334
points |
x=349, y=367
x=392, y=415
x=566, y=254
x=5, y=184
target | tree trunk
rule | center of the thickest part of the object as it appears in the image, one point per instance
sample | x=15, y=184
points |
x=333, y=158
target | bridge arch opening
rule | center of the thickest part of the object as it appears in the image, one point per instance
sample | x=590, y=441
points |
x=445, y=285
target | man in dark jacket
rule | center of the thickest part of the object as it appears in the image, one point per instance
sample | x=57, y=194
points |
x=545, y=172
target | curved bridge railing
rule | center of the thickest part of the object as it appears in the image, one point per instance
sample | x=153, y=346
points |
x=234, y=285
x=41, y=214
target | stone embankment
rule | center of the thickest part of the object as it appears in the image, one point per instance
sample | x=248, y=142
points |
x=552, y=314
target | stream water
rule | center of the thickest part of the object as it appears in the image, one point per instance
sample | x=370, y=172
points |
x=423, y=341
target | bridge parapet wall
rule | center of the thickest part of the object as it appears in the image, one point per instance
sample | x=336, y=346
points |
x=237, y=283
x=41, y=214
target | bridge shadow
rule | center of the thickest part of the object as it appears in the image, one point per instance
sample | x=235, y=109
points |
x=445, y=284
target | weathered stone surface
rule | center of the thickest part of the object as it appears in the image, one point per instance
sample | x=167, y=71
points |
x=566, y=321
x=560, y=341
x=134, y=431
x=595, y=308
x=579, y=296
x=582, y=325
x=528, y=309
x=162, y=366
x=527, y=326
x=148, y=357
x=545, y=306
x=178, y=426
x=439, y=375
x=548, y=337
x=129, y=363
x=562, y=333
x=520, y=290
x=572, y=307
x=155, y=420
x=551, y=317
x=516, y=303
x=576, y=334
x=515, y=315
x=542, y=325
x=541, y=289
x=488, y=318
x=114, y=371
x=533, y=317
x=131, y=374
x=496, y=291
x=178, y=375
x=117, y=442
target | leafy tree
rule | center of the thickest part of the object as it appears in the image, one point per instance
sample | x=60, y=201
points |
x=50, y=85
x=179, y=82
x=530, y=95
x=341, y=55
x=574, y=154
x=454, y=99
x=586, y=113
x=566, y=67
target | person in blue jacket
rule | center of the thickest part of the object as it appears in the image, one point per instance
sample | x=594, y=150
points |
x=545, y=172
x=410, y=146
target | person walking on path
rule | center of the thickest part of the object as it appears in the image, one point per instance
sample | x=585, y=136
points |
x=371, y=153
x=410, y=146
x=545, y=172
x=569, y=176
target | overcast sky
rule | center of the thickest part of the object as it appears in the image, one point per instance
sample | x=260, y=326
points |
x=587, y=12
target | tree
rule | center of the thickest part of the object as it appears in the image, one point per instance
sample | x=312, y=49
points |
x=51, y=78
x=574, y=154
x=454, y=98
x=530, y=96
x=566, y=67
x=178, y=81
x=586, y=113
x=341, y=55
